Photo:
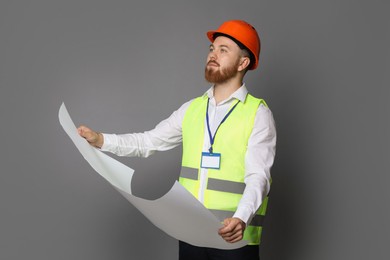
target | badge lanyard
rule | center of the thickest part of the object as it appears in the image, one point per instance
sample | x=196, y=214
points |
x=212, y=138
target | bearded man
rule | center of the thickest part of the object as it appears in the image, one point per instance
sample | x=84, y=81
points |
x=229, y=141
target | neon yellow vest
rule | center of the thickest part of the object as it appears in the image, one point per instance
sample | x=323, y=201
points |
x=225, y=185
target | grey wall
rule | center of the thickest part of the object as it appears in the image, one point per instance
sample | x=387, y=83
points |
x=122, y=66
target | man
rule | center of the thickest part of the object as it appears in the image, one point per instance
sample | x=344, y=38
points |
x=228, y=141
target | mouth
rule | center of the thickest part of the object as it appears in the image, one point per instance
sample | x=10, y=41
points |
x=213, y=64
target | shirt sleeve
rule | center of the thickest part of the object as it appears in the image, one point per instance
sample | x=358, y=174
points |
x=259, y=159
x=166, y=135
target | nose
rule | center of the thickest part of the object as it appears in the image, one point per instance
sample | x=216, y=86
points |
x=212, y=56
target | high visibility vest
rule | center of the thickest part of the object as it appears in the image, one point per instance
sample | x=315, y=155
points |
x=225, y=186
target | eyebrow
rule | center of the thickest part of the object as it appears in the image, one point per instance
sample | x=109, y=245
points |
x=220, y=46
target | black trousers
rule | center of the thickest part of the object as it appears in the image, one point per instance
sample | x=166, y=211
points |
x=190, y=252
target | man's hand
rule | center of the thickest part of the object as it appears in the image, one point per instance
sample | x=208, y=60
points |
x=233, y=230
x=94, y=138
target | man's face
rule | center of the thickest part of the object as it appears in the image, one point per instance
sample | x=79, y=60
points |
x=222, y=61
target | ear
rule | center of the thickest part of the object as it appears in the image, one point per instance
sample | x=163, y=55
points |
x=244, y=63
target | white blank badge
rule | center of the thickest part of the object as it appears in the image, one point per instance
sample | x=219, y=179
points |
x=211, y=160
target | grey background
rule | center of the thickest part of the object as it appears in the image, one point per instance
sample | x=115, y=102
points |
x=122, y=66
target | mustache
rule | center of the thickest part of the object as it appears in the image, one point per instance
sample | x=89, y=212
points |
x=213, y=62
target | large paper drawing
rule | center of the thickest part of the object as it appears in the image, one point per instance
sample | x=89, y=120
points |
x=177, y=213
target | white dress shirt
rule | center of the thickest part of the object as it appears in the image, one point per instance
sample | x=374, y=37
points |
x=168, y=134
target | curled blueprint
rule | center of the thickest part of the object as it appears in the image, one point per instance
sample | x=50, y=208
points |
x=177, y=213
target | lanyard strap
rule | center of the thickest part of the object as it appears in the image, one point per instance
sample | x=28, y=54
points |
x=212, y=138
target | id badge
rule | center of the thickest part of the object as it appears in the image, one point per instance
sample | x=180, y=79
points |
x=210, y=160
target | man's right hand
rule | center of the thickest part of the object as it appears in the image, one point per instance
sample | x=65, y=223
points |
x=94, y=138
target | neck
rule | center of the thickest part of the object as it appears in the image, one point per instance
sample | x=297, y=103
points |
x=224, y=90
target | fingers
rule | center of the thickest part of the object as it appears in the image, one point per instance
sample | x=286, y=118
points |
x=87, y=133
x=94, y=138
x=228, y=226
x=234, y=235
x=233, y=231
x=83, y=130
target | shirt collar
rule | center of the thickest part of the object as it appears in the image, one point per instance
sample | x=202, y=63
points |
x=239, y=94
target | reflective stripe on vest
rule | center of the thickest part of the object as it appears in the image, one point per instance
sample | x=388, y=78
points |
x=226, y=185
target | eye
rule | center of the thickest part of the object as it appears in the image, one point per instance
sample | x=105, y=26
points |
x=223, y=50
x=211, y=49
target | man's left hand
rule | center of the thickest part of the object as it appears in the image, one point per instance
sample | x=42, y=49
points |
x=233, y=230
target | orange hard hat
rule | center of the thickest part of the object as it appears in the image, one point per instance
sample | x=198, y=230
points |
x=242, y=32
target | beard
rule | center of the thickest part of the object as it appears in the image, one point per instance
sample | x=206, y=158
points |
x=215, y=76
